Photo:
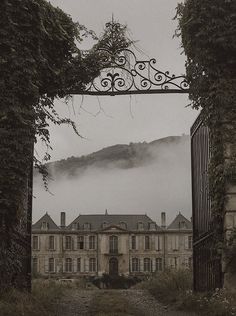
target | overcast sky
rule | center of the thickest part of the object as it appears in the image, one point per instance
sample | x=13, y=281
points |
x=124, y=119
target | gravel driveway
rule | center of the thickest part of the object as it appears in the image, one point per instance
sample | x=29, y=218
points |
x=78, y=303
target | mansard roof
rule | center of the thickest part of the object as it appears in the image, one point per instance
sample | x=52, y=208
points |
x=51, y=225
x=180, y=222
x=97, y=221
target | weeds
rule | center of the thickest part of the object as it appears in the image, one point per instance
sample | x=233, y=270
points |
x=175, y=288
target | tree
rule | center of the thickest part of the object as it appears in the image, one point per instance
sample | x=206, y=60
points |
x=39, y=62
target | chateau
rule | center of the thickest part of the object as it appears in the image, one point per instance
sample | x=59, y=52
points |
x=114, y=244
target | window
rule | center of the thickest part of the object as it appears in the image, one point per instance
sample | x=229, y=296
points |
x=133, y=242
x=190, y=242
x=91, y=242
x=92, y=264
x=152, y=226
x=35, y=265
x=44, y=226
x=147, y=265
x=35, y=243
x=158, y=264
x=87, y=226
x=147, y=242
x=190, y=263
x=78, y=264
x=80, y=242
x=123, y=225
x=51, y=243
x=68, y=265
x=175, y=243
x=113, y=241
x=135, y=265
x=51, y=265
x=140, y=226
x=68, y=242
x=104, y=224
x=182, y=225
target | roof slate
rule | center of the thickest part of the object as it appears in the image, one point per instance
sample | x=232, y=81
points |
x=46, y=218
x=180, y=222
x=96, y=221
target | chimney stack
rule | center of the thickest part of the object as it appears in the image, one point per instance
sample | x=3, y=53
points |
x=163, y=219
x=63, y=219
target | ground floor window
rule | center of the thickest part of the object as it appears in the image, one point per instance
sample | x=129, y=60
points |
x=158, y=264
x=68, y=265
x=147, y=265
x=35, y=265
x=92, y=264
x=51, y=267
x=135, y=265
x=78, y=264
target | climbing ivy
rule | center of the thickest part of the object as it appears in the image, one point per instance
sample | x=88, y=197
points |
x=208, y=32
x=39, y=62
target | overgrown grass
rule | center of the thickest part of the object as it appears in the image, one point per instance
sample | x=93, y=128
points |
x=111, y=303
x=43, y=301
x=175, y=288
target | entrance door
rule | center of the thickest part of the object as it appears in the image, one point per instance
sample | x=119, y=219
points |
x=113, y=266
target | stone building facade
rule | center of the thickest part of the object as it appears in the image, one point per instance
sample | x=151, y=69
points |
x=113, y=244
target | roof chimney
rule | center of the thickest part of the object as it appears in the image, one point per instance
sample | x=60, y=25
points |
x=163, y=219
x=63, y=219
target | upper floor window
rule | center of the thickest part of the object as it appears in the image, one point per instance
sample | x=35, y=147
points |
x=140, y=226
x=91, y=242
x=147, y=265
x=68, y=266
x=35, y=243
x=135, y=265
x=174, y=242
x=51, y=243
x=113, y=243
x=92, y=264
x=44, y=226
x=133, y=242
x=190, y=242
x=80, y=242
x=158, y=264
x=68, y=243
x=147, y=242
x=51, y=267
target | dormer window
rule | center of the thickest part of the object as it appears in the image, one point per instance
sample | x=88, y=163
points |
x=87, y=226
x=140, y=226
x=74, y=226
x=123, y=225
x=152, y=226
x=78, y=226
x=182, y=225
x=104, y=224
x=45, y=226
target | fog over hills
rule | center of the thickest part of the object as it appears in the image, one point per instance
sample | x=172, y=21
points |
x=135, y=178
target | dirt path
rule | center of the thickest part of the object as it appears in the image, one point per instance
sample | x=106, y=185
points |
x=113, y=303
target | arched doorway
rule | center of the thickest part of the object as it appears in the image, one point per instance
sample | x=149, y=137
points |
x=113, y=266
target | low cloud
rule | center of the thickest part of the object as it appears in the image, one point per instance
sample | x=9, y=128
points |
x=160, y=182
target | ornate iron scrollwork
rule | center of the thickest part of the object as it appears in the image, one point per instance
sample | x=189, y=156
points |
x=122, y=73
